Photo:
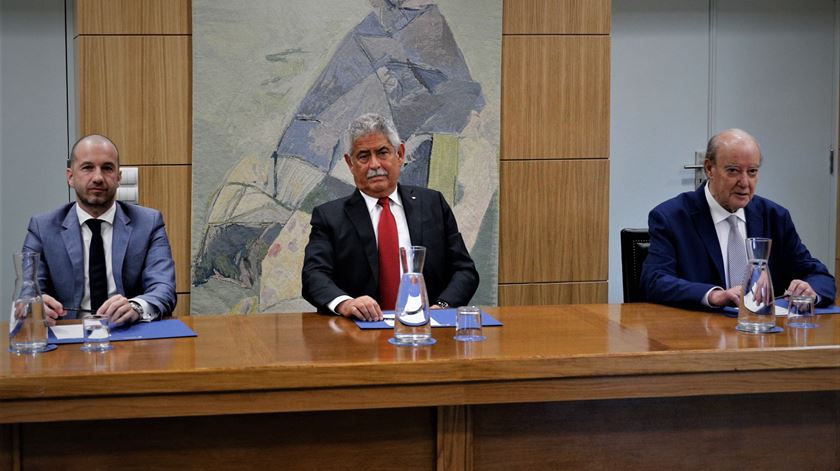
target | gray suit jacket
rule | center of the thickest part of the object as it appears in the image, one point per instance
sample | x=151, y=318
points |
x=141, y=258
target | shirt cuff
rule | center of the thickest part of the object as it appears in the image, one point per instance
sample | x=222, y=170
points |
x=705, y=299
x=149, y=311
x=335, y=302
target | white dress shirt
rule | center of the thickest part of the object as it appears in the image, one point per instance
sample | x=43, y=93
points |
x=107, y=238
x=722, y=228
x=375, y=211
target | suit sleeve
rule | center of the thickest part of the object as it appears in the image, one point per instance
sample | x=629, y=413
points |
x=159, y=271
x=33, y=243
x=463, y=279
x=318, y=287
x=803, y=265
x=660, y=281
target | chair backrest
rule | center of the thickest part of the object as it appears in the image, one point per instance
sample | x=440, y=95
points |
x=634, y=250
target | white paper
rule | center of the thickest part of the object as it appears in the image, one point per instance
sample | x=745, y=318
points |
x=69, y=331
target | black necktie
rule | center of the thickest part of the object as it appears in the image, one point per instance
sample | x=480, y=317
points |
x=97, y=273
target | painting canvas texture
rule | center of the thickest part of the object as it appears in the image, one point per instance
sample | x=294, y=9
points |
x=275, y=84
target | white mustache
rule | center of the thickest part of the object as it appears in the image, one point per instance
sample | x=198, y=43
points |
x=376, y=172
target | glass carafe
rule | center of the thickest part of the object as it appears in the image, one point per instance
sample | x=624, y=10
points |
x=757, y=312
x=27, y=324
x=412, y=324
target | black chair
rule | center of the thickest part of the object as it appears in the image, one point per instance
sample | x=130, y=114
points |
x=634, y=250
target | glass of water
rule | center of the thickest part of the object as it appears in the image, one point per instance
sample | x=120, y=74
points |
x=468, y=324
x=97, y=333
x=801, y=312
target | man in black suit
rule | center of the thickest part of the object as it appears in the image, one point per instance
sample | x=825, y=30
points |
x=343, y=271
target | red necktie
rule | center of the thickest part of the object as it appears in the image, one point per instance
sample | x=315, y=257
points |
x=389, y=257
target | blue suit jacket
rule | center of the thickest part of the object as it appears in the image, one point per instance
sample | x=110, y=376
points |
x=342, y=258
x=685, y=261
x=141, y=258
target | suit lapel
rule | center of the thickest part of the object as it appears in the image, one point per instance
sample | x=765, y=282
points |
x=413, y=214
x=755, y=228
x=119, y=244
x=71, y=234
x=702, y=216
x=356, y=211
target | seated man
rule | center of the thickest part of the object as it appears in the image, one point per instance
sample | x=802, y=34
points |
x=111, y=259
x=351, y=266
x=697, y=253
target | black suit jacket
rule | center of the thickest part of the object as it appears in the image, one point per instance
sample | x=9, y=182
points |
x=342, y=257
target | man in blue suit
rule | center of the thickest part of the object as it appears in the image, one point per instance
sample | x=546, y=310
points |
x=123, y=270
x=690, y=235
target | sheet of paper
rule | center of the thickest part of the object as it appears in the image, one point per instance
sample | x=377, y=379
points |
x=69, y=331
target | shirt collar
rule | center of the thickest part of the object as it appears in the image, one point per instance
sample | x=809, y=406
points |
x=371, y=202
x=107, y=216
x=719, y=213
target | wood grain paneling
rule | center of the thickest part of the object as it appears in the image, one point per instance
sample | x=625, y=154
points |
x=454, y=438
x=837, y=279
x=553, y=221
x=169, y=190
x=557, y=17
x=555, y=97
x=183, y=307
x=137, y=91
x=553, y=293
x=133, y=17
x=725, y=432
x=359, y=440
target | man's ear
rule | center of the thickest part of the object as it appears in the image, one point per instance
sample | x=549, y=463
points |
x=707, y=167
x=347, y=159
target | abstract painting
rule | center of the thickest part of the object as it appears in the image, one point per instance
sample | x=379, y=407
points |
x=275, y=84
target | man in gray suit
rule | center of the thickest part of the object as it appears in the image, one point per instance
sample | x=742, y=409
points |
x=100, y=255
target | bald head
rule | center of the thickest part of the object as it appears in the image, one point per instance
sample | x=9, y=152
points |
x=733, y=158
x=93, y=140
x=728, y=139
x=94, y=173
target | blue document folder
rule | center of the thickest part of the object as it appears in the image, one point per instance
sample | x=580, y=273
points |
x=781, y=302
x=165, y=329
x=443, y=317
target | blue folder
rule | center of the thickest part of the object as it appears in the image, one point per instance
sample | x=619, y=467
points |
x=781, y=302
x=444, y=317
x=165, y=329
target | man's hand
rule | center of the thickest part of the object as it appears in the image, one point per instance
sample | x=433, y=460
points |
x=729, y=297
x=117, y=309
x=799, y=287
x=52, y=309
x=363, y=307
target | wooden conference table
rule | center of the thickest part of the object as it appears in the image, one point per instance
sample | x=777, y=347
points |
x=634, y=386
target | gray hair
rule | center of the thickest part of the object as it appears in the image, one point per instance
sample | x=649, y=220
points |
x=371, y=123
x=726, y=136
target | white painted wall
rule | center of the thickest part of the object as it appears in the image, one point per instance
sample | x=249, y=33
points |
x=685, y=69
x=33, y=121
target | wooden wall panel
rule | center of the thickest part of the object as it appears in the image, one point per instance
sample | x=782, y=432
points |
x=169, y=190
x=183, y=307
x=133, y=17
x=555, y=97
x=137, y=91
x=696, y=433
x=557, y=17
x=837, y=279
x=553, y=293
x=553, y=221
